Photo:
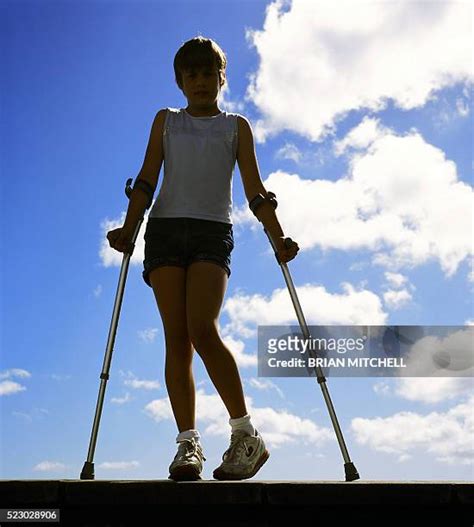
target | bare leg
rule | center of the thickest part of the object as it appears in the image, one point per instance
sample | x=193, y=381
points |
x=205, y=290
x=169, y=286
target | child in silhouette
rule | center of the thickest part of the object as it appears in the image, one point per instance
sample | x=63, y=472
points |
x=188, y=242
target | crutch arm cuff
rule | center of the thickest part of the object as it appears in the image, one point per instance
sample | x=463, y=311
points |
x=256, y=201
x=145, y=187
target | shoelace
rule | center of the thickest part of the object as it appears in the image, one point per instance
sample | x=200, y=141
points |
x=237, y=444
x=187, y=449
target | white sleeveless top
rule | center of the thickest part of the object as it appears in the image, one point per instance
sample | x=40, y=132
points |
x=199, y=159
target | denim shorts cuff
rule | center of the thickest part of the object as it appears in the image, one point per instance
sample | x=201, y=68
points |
x=214, y=259
x=160, y=261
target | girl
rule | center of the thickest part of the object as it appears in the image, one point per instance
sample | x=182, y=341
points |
x=188, y=242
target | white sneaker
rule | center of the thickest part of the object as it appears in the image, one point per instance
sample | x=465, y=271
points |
x=187, y=464
x=244, y=457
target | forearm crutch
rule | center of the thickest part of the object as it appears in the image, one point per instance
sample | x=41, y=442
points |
x=88, y=469
x=349, y=468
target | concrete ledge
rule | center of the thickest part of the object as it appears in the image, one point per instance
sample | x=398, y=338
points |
x=248, y=503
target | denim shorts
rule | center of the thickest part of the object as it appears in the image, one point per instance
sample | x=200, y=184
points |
x=181, y=241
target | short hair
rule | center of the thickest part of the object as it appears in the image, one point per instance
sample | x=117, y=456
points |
x=199, y=52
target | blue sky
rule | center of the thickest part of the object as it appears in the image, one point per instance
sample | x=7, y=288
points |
x=362, y=114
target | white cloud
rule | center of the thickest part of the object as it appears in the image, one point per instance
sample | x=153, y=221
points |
x=98, y=291
x=400, y=296
x=393, y=202
x=265, y=385
x=278, y=427
x=15, y=372
x=148, y=335
x=381, y=388
x=351, y=306
x=397, y=299
x=352, y=54
x=121, y=400
x=426, y=390
x=396, y=280
x=446, y=436
x=361, y=136
x=236, y=347
x=462, y=107
x=470, y=275
x=119, y=465
x=8, y=387
x=159, y=409
x=281, y=427
x=447, y=113
x=289, y=151
x=142, y=384
x=433, y=390
x=227, y=104
x=137, y=384
x=49, y=466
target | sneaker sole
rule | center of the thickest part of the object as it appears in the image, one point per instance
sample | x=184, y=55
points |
x=185, y=473
x=222, y=475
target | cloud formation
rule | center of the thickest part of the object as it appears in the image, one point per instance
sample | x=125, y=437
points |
x=119, y=465
x=401, y=199
x=8, y=387
x=351, y=306
x=278, y=427
x=324, y=59
x=447, y=436
x=49, y=466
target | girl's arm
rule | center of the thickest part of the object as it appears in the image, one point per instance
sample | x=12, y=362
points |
x=149, y=173
x=247, y=161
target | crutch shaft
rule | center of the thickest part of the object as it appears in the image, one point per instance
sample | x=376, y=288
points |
x=88, y=469
x=319, y=372
x=351, y=472
x=104, y=376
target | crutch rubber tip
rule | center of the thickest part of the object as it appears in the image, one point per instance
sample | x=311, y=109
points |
x=87, y=470
x=351, y=472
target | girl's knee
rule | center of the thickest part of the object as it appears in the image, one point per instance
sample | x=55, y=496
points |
x=178, y=345
x=177, y=337
x=203, y=335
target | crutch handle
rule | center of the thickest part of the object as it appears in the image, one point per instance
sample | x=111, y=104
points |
x=128, y=187
x=271, y=196
x=287, y=241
